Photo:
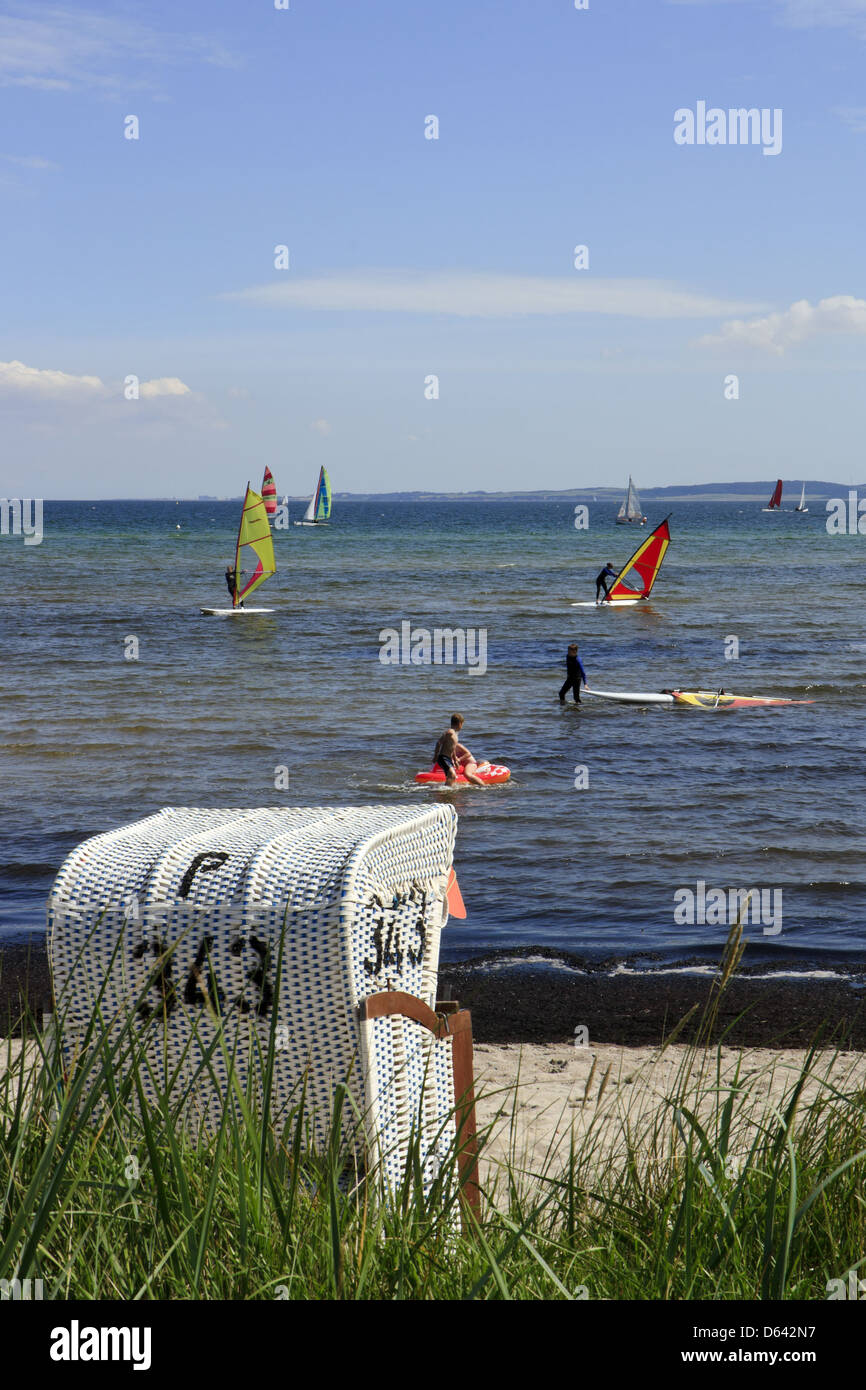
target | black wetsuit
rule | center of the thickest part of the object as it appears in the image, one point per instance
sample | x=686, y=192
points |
x=574, y=675
x=231, y=579
x=601, y=581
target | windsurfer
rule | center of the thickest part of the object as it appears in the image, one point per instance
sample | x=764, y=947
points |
x=601, y=583
x=231, y=583
x=574, y=675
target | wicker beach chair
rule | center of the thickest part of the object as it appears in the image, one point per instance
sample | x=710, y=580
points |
x=213, y=937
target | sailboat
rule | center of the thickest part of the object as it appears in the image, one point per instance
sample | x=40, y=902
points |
x=269, y=492
x=801, y=505
x=775, y=502
x=319, y=509
x=646, y=562
x=631, y=508
x=255, y=545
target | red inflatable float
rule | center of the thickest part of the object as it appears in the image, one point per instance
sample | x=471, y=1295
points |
x=491, y=773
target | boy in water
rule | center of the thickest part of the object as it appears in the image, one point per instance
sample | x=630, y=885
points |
x=574, y=674
x=453, y=758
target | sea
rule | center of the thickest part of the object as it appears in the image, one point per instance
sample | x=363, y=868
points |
x=616, y=817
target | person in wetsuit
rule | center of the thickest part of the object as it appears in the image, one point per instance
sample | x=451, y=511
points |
x=231, y=581
x=574, y=675
x=601, y=581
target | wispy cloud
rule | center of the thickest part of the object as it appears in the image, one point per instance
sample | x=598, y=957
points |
x=45, y=383
x=29, y=161
x=473, y=294
x=64, y=49
x=806, y=14
x=777, y=332
x=322, y=427
x=853, y=116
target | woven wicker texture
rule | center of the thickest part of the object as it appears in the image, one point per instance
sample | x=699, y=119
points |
x=221, y=932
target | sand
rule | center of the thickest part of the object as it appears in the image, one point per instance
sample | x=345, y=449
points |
x=609, y=1091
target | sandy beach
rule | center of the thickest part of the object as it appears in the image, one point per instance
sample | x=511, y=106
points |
x=530, y=1098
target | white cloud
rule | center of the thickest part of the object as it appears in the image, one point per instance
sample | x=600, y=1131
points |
x=473, y=294
x=29, y=161
x=36, y=381
x=321, y=427
x=853, y=116
x=776, y=332
x=62, y=49
x=164, y=386
x=40, y=383
x=807, y=14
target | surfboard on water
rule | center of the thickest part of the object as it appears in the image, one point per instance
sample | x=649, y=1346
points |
x=632, y=697
x=234, y=612
x=491, y=773
x=646, y=563
x=255, y=548
x=698, y=699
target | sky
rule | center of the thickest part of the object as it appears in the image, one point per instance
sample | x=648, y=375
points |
x=431, y=329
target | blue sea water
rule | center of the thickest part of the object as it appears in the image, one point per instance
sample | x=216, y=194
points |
x=770, y=798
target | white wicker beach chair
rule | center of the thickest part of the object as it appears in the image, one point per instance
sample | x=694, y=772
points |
x=209, y=936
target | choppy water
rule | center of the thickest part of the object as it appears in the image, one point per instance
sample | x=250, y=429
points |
x=755, y=798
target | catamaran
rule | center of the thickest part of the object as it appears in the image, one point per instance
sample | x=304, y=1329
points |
x=255, y=546
x=646, y=562
x=631, y=509
x=801, y=505
x=319, y=510
x=269, y=492
x=775, y=502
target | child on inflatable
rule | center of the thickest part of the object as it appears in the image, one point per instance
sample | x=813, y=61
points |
x=453, y=758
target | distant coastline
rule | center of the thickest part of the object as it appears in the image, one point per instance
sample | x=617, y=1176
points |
x=694, y=492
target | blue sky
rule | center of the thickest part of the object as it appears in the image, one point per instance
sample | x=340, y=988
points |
x=412, y=257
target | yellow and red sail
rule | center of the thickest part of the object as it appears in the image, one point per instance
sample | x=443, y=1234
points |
x=255, y=545
x=646, y=562
x=269, y=492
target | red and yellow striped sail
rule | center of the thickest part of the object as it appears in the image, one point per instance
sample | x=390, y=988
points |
x=646, y=562
x=269, y=492
x=255, y=544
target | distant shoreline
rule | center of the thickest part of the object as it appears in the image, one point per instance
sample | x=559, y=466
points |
x=697, y=492
x=548, y=1006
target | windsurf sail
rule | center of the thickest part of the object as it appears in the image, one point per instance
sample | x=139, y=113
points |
x=646, y=562
x=631, y=508
x=255, y=547
x=269, y=492
x=320, y=502
x=801, y=505
x=776, y=499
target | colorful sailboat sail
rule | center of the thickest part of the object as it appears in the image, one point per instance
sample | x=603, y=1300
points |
x=319, y=508
x=269, y=492
x=775, y=502
x=631, y=507
x=646, y=562
x=254, y=552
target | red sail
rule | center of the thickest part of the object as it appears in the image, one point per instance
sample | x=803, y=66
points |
x=646, y=563
x=269, y=492
x=776, y=499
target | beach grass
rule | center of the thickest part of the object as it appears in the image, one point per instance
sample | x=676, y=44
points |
x=713, y=1193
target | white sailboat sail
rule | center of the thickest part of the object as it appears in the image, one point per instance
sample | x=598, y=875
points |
x=631, y=508
x=801, y=505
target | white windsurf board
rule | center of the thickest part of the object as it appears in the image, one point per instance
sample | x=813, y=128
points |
x=233, y=612
x=631, y=697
